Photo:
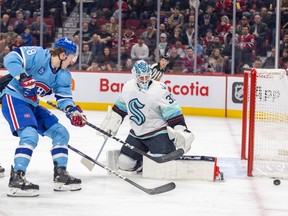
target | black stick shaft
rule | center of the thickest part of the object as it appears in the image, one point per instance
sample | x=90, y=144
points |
x=151, y=191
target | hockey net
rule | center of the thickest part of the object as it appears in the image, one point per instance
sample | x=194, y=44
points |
x=265, y=122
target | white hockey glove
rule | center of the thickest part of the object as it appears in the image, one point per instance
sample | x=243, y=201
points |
x=111, y=122
x=182, y=137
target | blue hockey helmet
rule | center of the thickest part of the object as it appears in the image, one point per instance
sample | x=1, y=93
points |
x=67, y=44
x=143, y=74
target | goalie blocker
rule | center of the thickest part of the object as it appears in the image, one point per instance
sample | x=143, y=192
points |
x=185, y=168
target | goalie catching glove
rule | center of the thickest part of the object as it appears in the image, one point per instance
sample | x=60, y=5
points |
x=111, y=122
x=75, y=114
x=181, y=136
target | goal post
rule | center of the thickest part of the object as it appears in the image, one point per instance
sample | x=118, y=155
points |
x=265, y=122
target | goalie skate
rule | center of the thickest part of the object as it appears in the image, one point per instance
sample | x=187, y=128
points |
x=65, y=182
x=2, y=171
x=20, y=187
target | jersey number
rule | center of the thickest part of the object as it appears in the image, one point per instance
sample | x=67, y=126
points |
x=137, y=116
x=170, y=99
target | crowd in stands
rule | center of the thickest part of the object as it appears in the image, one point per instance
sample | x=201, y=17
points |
x=255, y=33
x=21, y=22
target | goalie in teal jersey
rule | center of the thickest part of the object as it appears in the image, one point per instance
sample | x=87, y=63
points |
x=38, y=72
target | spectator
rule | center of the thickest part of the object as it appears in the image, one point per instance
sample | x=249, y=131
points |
x=35, y=30
x=86, y=57
x=11, y=32
x=246, y=43
x=176, y=36
x=215, y=44
x=9, y=41
x=258, y=63
x=123, y=11
x=128, y=65
x=207, y=41
x=94, y=67
x=53, y=9
x=115, y=41
x=27, y=37
x=93, y=26
x=177, y=18
x=86, y=34
x=199, y=46
x=215, y=62
x=284, y=59
x=123, y=54
x=133, y=9
x=189, y=62
x=163, y=44
x=96, y=46
x=227, y=53
x=190, y=23
x=107, y=67
x=181, y=49
x=213, y=19
x=153, y=22
x=140, y=50
x=170, y=26
x=105, y=36
x=112, y=26
x=5, y=51
x=244, y=22
x=4, y=23
x=22, y=6
x=106, y=9
x=150, y=37
x=228, y=36
x=284, y=43
x=20, y=24
x=147, y=10
x=174, y=60
x=106, y=57
x=129, y=38
x=205, y=26
x=163, y=16
x=223, y=27
x=187, y=36
x=162, y=29
x=260, y=32
x=270, y=61
x=18, y=42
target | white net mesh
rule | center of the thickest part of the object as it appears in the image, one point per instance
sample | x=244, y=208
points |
x=270, y=156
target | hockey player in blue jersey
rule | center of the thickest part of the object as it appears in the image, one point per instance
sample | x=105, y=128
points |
x=39, y=72
x=157, y=123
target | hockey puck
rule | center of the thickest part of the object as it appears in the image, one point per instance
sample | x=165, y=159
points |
x=276, y=182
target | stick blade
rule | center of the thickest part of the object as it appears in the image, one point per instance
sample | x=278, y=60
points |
x=87, y=163
x=161, y=189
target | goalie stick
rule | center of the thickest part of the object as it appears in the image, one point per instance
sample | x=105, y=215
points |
x=160, y=159
x=87, y=163
x=151, y=191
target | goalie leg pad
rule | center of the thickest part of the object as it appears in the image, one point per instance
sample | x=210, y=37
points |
x=128, y=164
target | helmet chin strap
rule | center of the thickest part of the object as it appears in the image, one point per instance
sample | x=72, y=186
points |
x=61, y=61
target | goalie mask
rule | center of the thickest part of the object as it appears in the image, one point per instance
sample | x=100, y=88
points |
x=143, y=73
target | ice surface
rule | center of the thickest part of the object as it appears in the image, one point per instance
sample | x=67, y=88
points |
x=109, y=195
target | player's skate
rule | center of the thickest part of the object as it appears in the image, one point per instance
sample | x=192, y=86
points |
x=20, y=187
x=2, y=171
x=65, y=182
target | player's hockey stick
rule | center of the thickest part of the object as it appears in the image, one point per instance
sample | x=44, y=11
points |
x=161, y=159
x=152, y=191
x=87, y=163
